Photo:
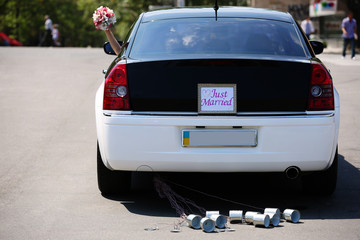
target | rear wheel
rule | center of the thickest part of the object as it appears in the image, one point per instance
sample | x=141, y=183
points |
x=111, y=182
x=322, y=183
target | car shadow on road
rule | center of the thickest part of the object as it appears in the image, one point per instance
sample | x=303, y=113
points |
x=247, y=192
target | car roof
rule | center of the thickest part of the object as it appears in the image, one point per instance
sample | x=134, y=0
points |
x=223, y=12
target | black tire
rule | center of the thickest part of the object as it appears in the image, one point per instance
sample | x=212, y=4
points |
x=322, y=183
x=111, y=182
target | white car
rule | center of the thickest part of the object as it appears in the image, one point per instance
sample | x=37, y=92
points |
x=238, y=92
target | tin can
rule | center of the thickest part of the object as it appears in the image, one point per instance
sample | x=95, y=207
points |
x=292, y=215
x=261, y=220
x=274, y=219
x=249, y=216
x=193, y=221
x=207, y=225
x=236, y=216
x=272, y=210
x=209, y=213
x=219, y=220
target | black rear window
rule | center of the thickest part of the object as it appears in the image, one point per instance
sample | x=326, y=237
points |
x=205, y=36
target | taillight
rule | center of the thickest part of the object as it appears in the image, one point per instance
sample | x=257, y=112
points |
x=116, y=91
x=321, y=95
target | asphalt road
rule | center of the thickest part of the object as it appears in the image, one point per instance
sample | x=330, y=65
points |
x=48, y=185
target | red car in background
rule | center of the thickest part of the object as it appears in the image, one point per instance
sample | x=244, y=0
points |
x=5, y=40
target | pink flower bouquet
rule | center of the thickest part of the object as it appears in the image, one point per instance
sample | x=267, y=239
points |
x=104, y=18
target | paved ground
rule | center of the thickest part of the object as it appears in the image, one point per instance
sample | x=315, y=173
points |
x=48, y=187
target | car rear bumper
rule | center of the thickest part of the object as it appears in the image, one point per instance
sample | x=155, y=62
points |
x=155, y=143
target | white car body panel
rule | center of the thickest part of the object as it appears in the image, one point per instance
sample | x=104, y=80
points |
x=135, y=142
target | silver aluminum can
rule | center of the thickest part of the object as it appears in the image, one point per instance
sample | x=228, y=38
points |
x=274, y=219
x=236, y=216
x=207, y=225
x=219, y=220
x=261, y=220
x=272, y=210
x=193, y=221
x=249, y=216
x=292, y=215
x=209, y=213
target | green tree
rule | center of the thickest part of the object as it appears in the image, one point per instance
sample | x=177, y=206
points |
x=24, y=19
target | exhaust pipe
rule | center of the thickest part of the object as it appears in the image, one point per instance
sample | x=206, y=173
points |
x=292, y=172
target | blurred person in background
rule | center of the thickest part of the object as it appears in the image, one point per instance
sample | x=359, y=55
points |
x=56, y=35
x=47, y=39
x=308, y=27
x=348, y=28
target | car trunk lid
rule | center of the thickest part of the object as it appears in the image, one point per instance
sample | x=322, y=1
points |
x=262, y=85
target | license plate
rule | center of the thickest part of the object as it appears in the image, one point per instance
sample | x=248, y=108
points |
x=219, y=138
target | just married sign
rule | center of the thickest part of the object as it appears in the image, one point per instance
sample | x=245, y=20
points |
x=217, y=98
